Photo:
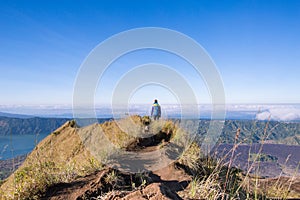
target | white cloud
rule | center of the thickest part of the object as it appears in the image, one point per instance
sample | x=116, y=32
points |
x=282, y=113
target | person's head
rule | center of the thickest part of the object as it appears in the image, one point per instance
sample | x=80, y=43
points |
x=155, y=101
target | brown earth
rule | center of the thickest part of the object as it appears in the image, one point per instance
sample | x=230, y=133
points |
x=162, y=184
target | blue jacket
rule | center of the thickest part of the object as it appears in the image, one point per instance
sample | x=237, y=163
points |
x=156, y=110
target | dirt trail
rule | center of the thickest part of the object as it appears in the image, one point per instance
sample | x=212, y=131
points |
x=162, y=184
x=163, y=178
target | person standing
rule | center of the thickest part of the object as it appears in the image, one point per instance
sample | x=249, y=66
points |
x=156, y=111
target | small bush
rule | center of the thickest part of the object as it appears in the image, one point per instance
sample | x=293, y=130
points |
x=190, y=157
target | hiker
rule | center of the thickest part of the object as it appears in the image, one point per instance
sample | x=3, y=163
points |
x=155, y=112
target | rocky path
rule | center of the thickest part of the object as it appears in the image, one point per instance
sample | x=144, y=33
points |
x=146, y=170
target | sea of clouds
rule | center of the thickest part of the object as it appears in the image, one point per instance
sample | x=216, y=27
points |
x=278, y=112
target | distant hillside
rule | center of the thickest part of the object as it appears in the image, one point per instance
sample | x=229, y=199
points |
x=267, y=160
x=34, y=125
x=8, y=166
x=12, y=115
x=253, y=131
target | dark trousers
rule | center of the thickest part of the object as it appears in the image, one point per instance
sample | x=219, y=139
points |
x=156, y=117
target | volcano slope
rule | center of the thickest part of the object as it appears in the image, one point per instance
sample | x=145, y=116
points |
x=132, y=158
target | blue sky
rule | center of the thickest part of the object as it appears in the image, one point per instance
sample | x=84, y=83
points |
x=255, y=45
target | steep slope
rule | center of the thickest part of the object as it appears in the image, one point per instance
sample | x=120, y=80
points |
x=64, y=156
x=32, y=125
x=59, y=157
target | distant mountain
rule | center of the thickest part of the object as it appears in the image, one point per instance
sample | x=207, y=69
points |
x=254, y=131
x=35, y=125
x=273, y=159
x=12, y=115
x=251, y=131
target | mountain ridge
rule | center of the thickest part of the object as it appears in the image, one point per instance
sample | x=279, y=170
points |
x=61, y=166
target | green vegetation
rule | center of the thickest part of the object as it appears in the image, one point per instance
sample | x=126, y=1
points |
x=261, y=157
x=30, y=125
x=112, y=178
x=252, y=131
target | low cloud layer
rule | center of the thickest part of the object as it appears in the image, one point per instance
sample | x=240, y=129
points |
x=280, y=114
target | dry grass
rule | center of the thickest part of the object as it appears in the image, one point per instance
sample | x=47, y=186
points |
x=60, y=157
x=123, y=132
x=191, y=157
x=216, y=179
x=63, y=156
x=201, y=188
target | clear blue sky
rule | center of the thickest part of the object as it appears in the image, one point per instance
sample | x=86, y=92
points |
x=255, y=45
